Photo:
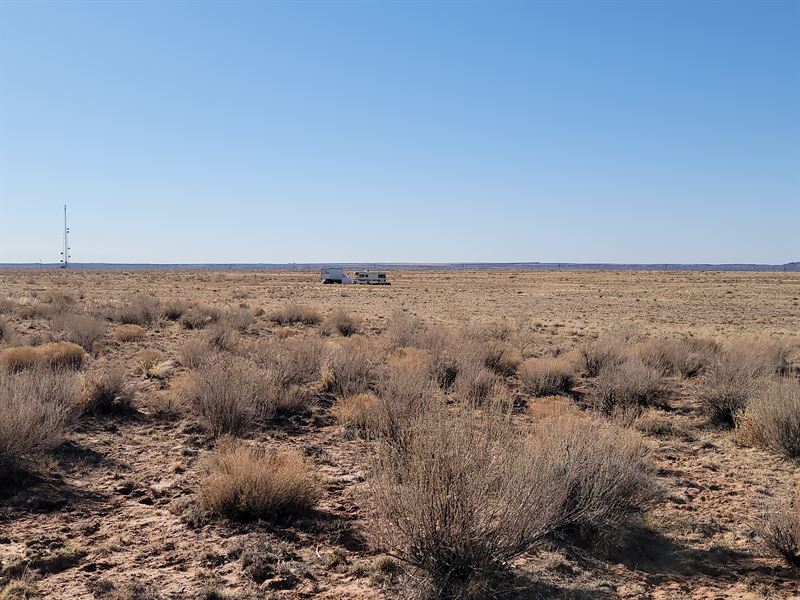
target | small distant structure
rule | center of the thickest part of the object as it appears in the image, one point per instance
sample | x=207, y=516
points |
x=369, y=277
x=65, y=253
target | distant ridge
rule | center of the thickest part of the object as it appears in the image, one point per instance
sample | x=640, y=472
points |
x=787, y=267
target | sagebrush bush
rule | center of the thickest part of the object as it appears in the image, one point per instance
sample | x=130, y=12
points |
x=291, y=361
x=474, y=384
x=173, y=310
x=779, y=529
x=351, y=369
x=227, y=394
x=7, y=333
x=605, y=352
x=295, y=313
x=128, y=333
x=404, y=392
x=198, y=317
x=240, y=319
x=547, y=376
x=80, y=329
x=465, y=494
x=404, y=330
x=628, y=387
x=244, y=482
x=141, y=309
x=223, y=337
x=194, y=352
x=728, y=386
x=687, y=357
x=340, y=322
x=772, y=416
x=37, y=407
x=608, y=471
x=503, y=359
x=107, y=392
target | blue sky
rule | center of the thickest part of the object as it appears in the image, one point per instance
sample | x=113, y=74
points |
x=401, y=131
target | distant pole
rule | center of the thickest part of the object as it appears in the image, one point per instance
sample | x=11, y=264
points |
x=65, y=252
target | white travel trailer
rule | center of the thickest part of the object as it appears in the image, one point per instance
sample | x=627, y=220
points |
x=337, y=275
x=370, y=277
x=334, y=276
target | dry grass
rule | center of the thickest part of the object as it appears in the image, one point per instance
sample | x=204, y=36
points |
x=465, y=494
x=173, y=310
x=340, y=322
x=37, y=407
x=628, y=387
x=222, y=337
x=141, y=309
x=61, y=355
x=404, y=330
x=8, y=334
x=129, y=333
x=247, y=483
x=503, y=359
x=228, y=395
x=547, y=376
x=359, y=414
x=475, y=384
x=779, y=529
x=107, y=392
x=13, y=360
x=80, y=329
x=772, y=417
x=239, y=319
x=295, y=313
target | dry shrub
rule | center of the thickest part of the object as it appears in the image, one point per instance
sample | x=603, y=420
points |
x=761, y=357
x=404, y=330
x=351, y=369
x=194, y=352
x=285, y=401
x=247, y=483
x=142, y=309
x=108, y=392
x=410, y=357
x=547, y=376
x=128, y=333
x=602, y=353
x=13, y=360
x=223, y=337
x=404, y=393
x=80, y=329
x=227, y=394
x=358, y=414
x=7, y=333
x=732, y=380
x=7, y=306
x=146, y=359
x=656, y=422
x=779, y=529
x=465, y=494
x=503, y=359
x=240, y=319
x=61, y=354
x=475, y=384
x=687, y=357
x=37, y=407
x=174, y=309
x=607, y=470
x=628, y=387
x=57, y=302
x=447, y=355
x=772, y=417
x=340, y=322
x=198, y=317
x=295, y=313
x=292, y=361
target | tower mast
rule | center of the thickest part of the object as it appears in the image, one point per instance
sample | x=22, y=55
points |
x=65, y=253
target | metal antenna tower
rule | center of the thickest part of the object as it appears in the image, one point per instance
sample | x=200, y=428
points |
x=65, y=252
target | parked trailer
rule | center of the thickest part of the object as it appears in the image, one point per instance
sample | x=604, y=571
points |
x=337, y=275
x=334, y=276
x=370, y=278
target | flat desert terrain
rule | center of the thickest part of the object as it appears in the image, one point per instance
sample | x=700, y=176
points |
x=256, y=434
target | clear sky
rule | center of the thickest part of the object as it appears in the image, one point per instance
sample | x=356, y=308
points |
x=401, y=131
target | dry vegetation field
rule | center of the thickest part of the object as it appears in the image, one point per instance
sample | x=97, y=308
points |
x=478, y=434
